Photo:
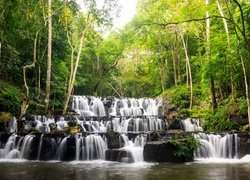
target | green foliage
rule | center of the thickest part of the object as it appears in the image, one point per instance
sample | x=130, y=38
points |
x=185, y=146
x=221, y=119
x=10, y=98
x=145, y=58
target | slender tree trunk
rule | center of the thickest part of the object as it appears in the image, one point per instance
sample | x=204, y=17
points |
x=243, y=32
x=71, y=83
x=39, y=82
x=178, y=61
x=246, y=83
x=208, y=52
x=189, y=73
x=0, y=49
x=187, y=78
x=115, y=90
x=224, y=20
x=25, y=100
x=161, y=66
x=241, y=58
x=174, y=67
x=48, y=78
x=228, y=40
x=212, y=90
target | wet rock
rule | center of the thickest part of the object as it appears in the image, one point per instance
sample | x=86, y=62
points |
x=176, y=124
x=119, y=155
x=114, y=140
x=48, y=149
x=157, y=151
x=243, y=144
x=240, y=120
x=30, y=118
x=70, y=150
x=4, y=138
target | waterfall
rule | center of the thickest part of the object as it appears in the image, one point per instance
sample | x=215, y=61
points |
x=122, y=122
x=217, y=146
x=26, y=146
x=40, y=146
x=61, y=149
x=10, y=151
x=192, y=125
x=90, y=148
x=134, y=148
x=15, y=149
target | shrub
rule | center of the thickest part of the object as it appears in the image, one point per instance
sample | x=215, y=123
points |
x=10, y=98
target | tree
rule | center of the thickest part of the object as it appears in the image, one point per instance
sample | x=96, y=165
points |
x=102, y=16
x=48, y=77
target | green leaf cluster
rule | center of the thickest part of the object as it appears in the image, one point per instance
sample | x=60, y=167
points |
x=184, y=146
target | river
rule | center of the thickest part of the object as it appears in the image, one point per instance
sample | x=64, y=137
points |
x=95, y=170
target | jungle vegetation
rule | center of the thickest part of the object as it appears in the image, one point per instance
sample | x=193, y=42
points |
x=196, y=53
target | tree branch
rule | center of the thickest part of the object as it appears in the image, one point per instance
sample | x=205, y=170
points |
x=192, y=20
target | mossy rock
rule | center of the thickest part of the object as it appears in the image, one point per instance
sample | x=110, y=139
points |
x=5, y=116
x=74, y=129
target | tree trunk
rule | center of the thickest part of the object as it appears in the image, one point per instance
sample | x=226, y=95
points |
x=71, y=83
x=39, y=82
x=228, y=41
x=48, y=78
x=224, y=20
x=189, y=73
x=25, y=100
x=208, y=52
x=241, y=58
x=243, y=31
x=213, y=96
x=174, y=67
x=246, y=84
x=178, y=62
x=0, y=49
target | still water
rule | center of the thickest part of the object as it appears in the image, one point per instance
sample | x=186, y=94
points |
x=95, y=170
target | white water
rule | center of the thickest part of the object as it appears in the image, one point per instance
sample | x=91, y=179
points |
x=17, y=149
x=125, y=115
x=192, y=125
x=92, y=147
x=217, y=146
x=135, y=148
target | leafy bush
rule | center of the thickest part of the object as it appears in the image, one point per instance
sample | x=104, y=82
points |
x=10, y=98
x=220, y=121
x=184, y=147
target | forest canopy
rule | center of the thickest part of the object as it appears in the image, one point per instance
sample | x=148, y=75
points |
x=195, y=52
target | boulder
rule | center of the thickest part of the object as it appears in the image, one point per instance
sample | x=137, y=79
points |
x=119, y=155
x=158, y=151
x=243, y=144
x=176, y=124
x=114, y=140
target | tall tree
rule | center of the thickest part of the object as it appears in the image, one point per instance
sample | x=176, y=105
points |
x=48, y=77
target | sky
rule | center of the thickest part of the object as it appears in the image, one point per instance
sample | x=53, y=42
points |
x=128, y=9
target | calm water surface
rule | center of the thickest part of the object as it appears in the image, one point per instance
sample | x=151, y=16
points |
x=200, y=170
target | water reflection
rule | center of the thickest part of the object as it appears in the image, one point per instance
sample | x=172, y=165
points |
x=106, y=170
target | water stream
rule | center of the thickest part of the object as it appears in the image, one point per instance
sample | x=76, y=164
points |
x=131, y=118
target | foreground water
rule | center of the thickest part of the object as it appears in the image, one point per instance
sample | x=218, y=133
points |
x=95, y=170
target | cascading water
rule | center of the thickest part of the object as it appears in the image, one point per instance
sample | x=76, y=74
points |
x=217, y=146
x=212, y=145
x=192, y=125
x=134, y=148
x=90, y=147
x=17, y=149
x=99, y=117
